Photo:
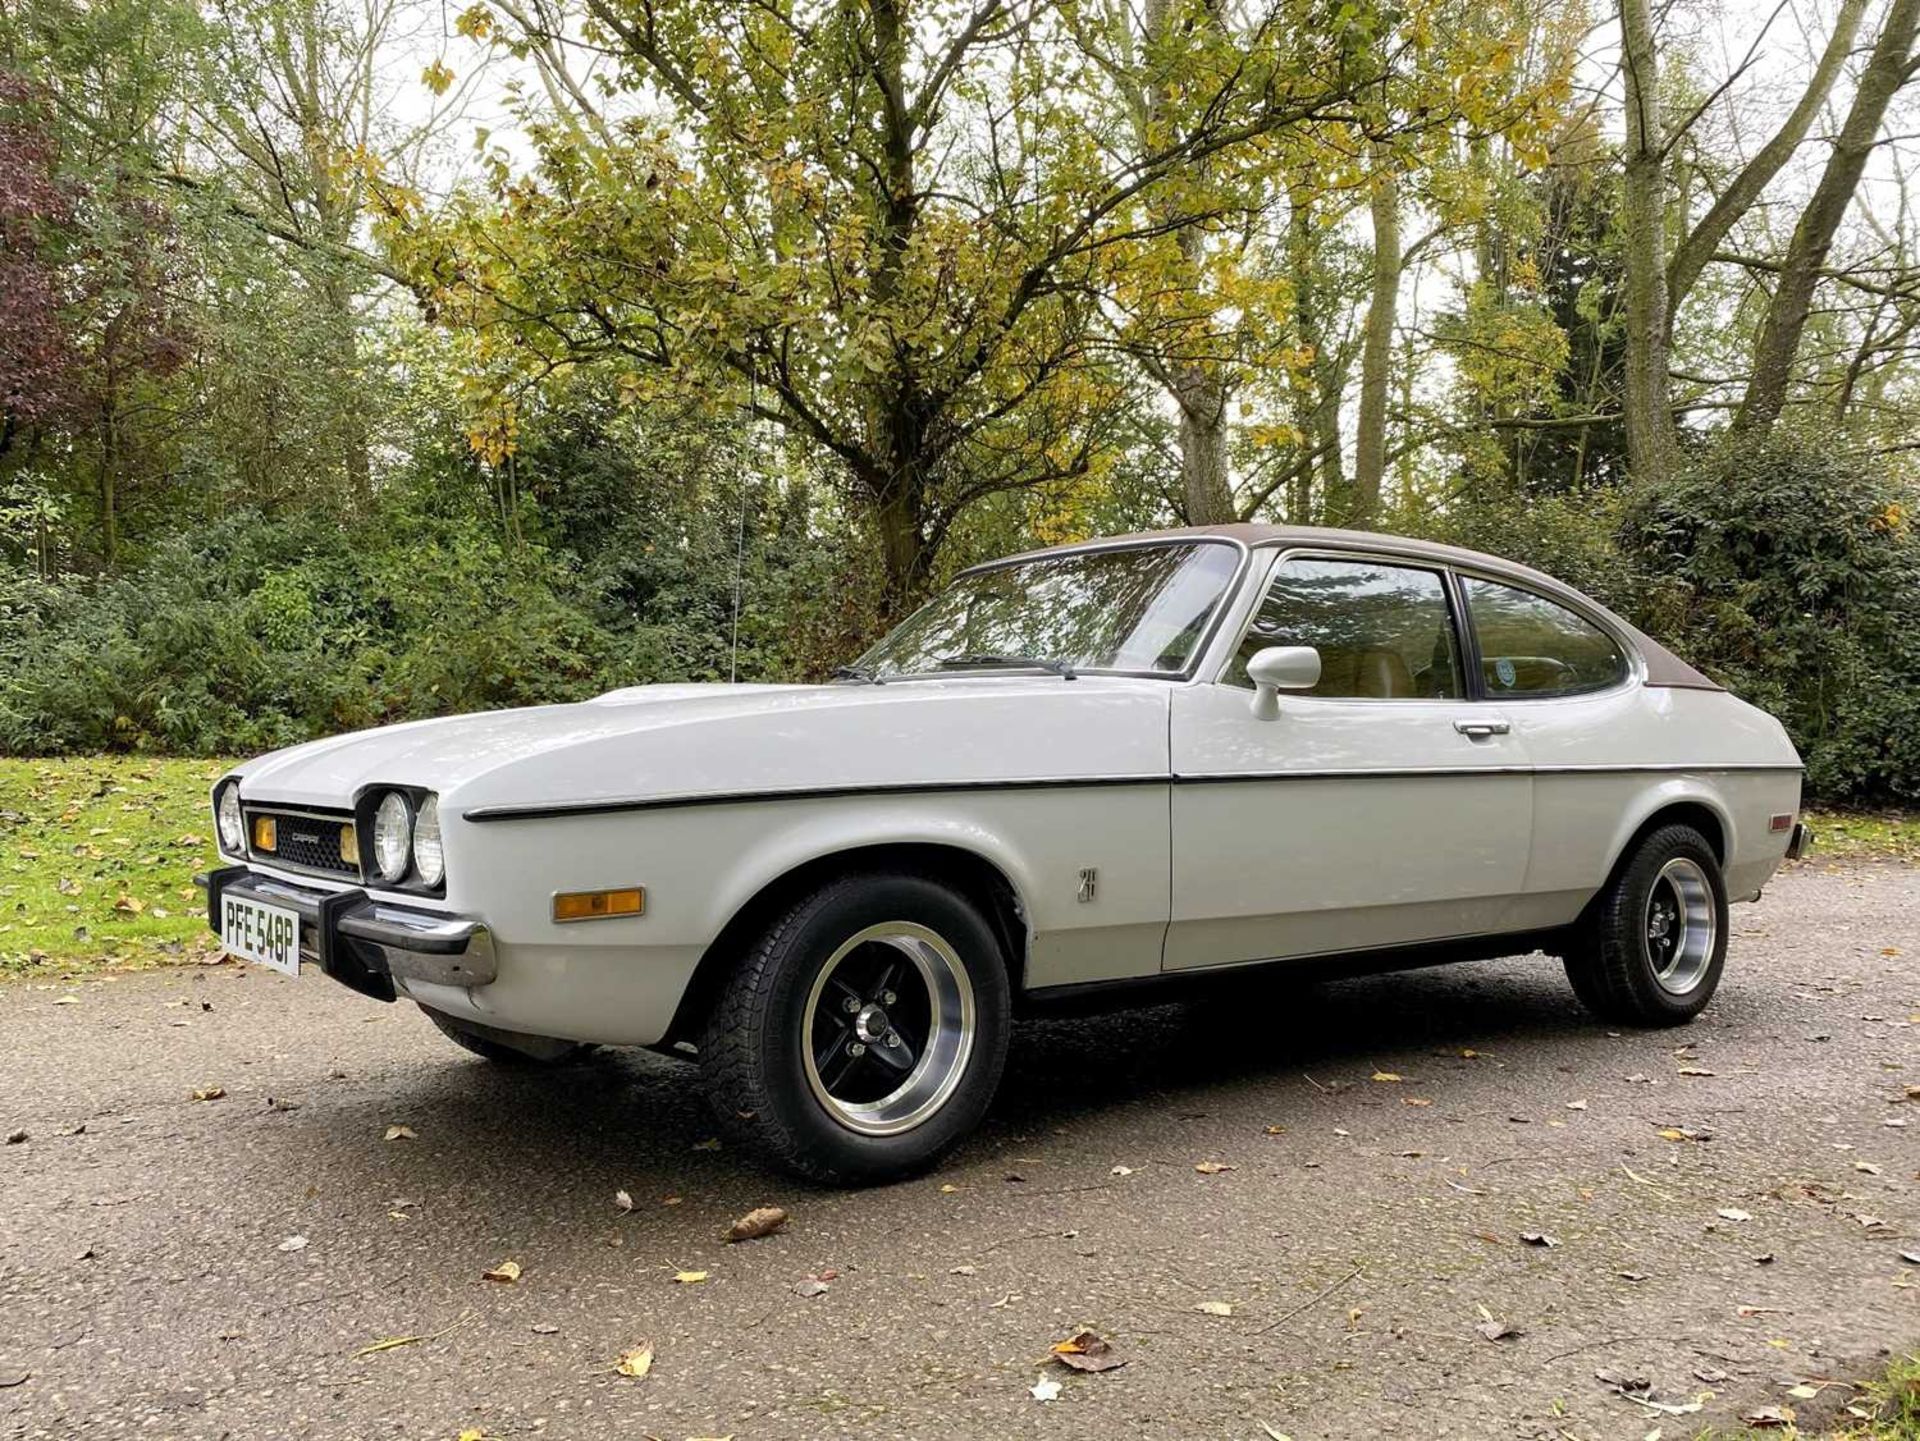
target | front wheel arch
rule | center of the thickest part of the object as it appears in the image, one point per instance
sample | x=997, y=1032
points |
x=976, y=878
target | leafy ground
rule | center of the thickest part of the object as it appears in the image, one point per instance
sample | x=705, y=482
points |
x=1886, y=1409
x=205, y=1234
x=97, y=858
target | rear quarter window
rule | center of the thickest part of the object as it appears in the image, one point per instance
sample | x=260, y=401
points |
x=1531, y=646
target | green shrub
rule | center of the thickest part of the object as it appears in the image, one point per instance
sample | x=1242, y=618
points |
x=1572, y=536
x=1788, y=568
x=251, y=634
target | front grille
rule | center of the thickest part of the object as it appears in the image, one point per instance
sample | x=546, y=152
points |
x=304, y=841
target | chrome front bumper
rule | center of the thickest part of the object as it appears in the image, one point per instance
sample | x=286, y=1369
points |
x=363, y=943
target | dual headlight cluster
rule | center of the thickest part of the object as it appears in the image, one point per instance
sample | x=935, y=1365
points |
x=406, y=835
x=405, y=826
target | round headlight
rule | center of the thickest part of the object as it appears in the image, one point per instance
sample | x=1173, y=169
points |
x=392, y=836
x=428, y=858
x=233, y=830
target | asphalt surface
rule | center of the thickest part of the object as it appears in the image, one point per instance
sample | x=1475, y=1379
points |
x=1366, y=1233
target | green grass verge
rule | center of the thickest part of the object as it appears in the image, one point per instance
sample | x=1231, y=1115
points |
x=1865, y=835
x=1885, y=1409
x=97, y=857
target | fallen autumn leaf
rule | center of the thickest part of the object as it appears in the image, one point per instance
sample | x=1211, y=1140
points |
x=761, y=1221
x=1087, y=1351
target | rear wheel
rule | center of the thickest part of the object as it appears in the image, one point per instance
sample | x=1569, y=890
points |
x=864, y=1033
x=506, y=1048
x=1651, y=947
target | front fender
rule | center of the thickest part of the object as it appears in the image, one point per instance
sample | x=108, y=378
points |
x=801, y=841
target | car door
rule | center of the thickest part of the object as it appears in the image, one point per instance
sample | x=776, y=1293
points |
x=1384, y=807
x=1566, y=686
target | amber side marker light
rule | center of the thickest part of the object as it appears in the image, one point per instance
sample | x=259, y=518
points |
x=266, y=835
x=599, y=905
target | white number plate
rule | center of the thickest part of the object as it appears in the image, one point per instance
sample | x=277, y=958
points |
x=269, y=935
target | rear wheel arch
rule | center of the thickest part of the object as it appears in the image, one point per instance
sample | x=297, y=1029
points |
x=1685, y=810
x=1650, y=948
x=979, y=880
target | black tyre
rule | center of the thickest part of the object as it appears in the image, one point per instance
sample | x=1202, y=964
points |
x=506, y=1048
x=864, y=1033
x=1650, y=948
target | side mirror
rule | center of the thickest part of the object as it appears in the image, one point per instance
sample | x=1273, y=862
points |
x=1278, y=668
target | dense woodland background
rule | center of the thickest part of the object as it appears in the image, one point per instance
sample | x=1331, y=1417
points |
x=366, y=359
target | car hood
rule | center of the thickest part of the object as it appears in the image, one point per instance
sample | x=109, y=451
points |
x=649, y=742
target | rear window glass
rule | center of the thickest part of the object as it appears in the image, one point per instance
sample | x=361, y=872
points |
x=1532, y=646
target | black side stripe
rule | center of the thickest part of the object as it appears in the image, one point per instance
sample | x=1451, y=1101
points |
x=1208, y=778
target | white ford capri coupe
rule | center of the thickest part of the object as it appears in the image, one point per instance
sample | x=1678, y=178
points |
x=1105, y=769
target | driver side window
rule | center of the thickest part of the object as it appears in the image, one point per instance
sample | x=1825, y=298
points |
x=1384, y=632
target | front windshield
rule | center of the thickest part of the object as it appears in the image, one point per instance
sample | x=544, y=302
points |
x=1138, y=608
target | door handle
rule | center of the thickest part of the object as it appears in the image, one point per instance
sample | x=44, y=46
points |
x=1481, y=729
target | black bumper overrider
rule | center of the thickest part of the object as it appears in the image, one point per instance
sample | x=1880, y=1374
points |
x=361, y=942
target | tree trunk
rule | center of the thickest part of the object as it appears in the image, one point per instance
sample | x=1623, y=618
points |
x=342, y=322
x=900, y=516
x=1376, y=351
x=1203, y=455
x=1201, y=392
x=109, y=421
x=1888, y=68
x=1198, y=385
x=1318, y=410
x=1690, y=257
x=1643, y=219
x=109, y=499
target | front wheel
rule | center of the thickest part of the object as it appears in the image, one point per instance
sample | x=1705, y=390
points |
x=1650, y=949
x=864, y=1033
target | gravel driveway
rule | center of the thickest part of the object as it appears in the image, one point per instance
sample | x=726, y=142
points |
x=1720, y=1212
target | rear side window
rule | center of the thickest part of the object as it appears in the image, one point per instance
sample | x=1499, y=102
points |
x=1531, y=646
x=1384, y=632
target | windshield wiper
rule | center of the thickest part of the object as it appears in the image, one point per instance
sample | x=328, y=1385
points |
x=866, y=675
x=981, y=659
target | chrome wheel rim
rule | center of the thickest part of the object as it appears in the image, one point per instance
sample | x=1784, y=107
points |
x=888, y=1028
x=1679, y=925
